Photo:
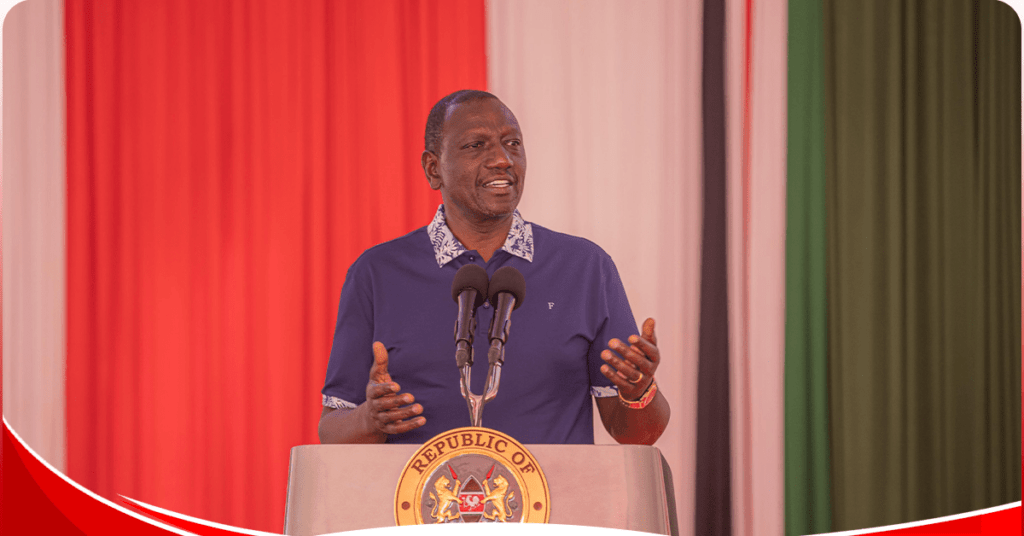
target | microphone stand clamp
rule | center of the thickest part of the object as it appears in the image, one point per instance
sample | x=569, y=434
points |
x=475, y=403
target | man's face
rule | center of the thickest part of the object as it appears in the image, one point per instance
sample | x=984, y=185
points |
x=481, y=167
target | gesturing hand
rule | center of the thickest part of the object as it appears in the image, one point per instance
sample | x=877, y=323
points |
x=389, y=411
x=632, y=368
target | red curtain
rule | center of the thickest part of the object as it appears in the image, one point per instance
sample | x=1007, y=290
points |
x=226, y=162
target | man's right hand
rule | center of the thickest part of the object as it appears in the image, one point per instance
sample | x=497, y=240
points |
x=389, y=411
x=386, y=410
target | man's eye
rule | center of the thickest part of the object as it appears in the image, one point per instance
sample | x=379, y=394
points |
x=475, y=144
x=515, y=143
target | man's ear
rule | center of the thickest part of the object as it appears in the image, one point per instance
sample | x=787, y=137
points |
x=429, y=161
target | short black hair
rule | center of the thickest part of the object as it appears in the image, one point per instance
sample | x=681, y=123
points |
x=435, y=120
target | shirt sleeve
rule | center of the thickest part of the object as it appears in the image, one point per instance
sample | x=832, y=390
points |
x=617, y=321
x=352, y=350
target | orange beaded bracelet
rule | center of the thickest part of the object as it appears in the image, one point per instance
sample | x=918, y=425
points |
x=644, y=400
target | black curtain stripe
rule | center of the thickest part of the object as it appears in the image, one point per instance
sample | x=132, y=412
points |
x=713, y=513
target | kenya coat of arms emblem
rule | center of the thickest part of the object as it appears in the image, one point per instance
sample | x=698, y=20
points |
x=471, y=475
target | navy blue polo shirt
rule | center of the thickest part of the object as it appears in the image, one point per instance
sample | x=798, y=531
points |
x=399, y=293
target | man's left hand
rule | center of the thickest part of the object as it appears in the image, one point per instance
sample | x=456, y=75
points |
x=631, y=367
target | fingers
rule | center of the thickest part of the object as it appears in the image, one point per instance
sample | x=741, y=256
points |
x=634, y=355
x=398, y=414
x=641, y=346
x=627, y=389
x=379, y=370
x=631, y=367
x=616, y=378
x=376, y=390
x=389, y=411
x=647, y=342
x=623, y=368
x=648, y=331
x=401, y=427
x=387, y=400
x=630, y=380
x=400, y=419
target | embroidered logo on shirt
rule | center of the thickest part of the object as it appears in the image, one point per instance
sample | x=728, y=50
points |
x=519, y=241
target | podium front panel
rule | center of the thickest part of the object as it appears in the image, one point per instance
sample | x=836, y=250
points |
x=349, y=487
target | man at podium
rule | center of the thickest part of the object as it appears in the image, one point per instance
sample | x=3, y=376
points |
x=392, y=377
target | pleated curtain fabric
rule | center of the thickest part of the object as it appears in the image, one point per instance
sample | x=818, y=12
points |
x=34, y=226
x=923, y=203
x=713, y=510
x=227, y=161
x=611, y=100
x=807, y=442
x=608, y=94
x=756, y=43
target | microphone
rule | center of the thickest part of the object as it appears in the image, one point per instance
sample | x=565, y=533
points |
x=469, y=289
x=507, y=290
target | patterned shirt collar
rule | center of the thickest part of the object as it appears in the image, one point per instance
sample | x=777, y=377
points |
x=446, y=247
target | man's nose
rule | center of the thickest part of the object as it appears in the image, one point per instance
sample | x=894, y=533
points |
x=500, y=158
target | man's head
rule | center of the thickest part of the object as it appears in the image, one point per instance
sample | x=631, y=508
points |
x=474, y=154
x=438, y=114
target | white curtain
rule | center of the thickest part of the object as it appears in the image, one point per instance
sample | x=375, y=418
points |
x=33, y=223
x=608, y=96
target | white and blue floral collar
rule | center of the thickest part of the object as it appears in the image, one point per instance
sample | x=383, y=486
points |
x=446, y=247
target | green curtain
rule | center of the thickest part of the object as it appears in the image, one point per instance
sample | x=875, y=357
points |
x=807, y=485
x=923, y=197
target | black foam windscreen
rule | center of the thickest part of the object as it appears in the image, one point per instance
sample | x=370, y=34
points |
x=507, y=279
x=471, y=276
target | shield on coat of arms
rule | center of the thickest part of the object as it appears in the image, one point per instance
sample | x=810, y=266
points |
x=472, y=497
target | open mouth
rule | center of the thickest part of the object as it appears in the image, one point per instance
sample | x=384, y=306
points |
x=499, y=184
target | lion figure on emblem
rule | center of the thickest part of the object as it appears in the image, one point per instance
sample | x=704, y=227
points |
x=498, y=499
x=444, y=500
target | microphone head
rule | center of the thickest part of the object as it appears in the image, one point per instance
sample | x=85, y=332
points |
x=507, y=279
x=471, y=276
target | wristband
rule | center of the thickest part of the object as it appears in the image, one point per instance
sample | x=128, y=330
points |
x=644, y=400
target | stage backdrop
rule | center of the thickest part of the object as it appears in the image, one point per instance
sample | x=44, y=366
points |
x=227, y=161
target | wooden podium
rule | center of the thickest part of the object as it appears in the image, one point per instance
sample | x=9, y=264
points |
x=349, y=487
